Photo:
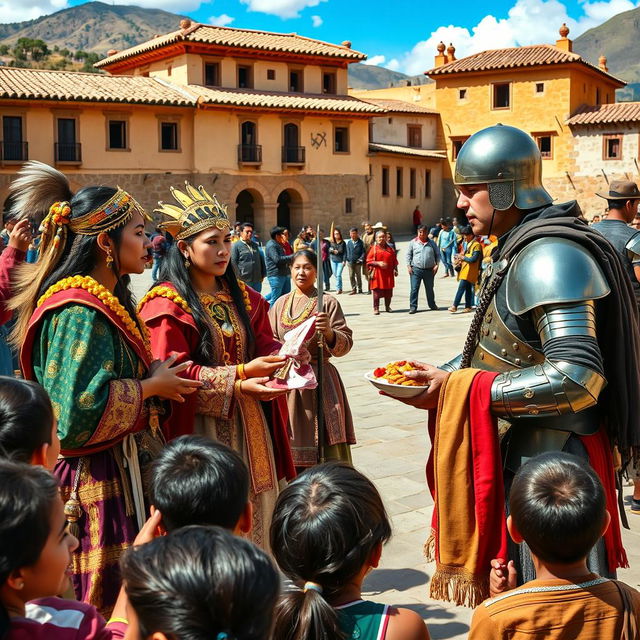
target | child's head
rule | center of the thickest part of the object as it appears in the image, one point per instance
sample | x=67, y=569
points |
x=196, y=480
x=557, y=507
x=200, y=583
x=35, y=546
x=27, y=423
x=328, y=529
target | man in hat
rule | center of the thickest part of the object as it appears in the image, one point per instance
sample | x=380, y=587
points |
x=622, y=199
x=553, y=300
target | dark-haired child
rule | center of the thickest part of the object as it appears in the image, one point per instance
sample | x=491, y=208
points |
x=199, y=583
x=196, y=480
x=28, y=428
x=327, y=533
x=557, y=507
x=35, y=554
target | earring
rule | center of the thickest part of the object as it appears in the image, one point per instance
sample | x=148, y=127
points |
x=109, y=259
x=187, y=264
x=20, y=585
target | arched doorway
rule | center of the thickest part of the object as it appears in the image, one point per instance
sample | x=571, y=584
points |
x=289, y=212
x=244, y=207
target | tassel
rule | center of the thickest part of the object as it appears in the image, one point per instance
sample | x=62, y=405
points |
x=460, y=588
x=72, y=508
x=429, y=548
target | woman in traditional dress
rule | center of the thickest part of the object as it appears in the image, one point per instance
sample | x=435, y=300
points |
x=382, y=264
x=205, y=316
x=82, y=341
x=286, y=314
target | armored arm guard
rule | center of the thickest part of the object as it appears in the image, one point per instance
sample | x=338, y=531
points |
x=452, y=365
x=557, y=281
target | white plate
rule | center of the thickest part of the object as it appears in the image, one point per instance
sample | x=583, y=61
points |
x=395, y=390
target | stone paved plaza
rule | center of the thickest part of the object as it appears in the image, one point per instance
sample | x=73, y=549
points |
x=393, y=444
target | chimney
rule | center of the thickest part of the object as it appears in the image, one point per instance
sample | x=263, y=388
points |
x=185, y=24
x=441, y=58
x=347, y=44
x=564, y=44
x=451, y=52
x=602, y=63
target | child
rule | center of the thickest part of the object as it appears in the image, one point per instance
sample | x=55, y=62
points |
x=327, y=533
x=557, y=506
x=35, y=554
x=196, y=480
x=199, y=583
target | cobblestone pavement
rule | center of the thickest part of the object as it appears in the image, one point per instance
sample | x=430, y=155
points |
x=393, y=445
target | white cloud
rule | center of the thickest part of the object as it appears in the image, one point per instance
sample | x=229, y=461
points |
x=527, y=22
x=281, y=8
x=317, y=21
x=393, y=64
x=376, y=61
x=221, y=20
x=30, y=9
x=176, y=6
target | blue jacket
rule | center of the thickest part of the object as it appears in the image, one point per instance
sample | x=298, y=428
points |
x=355, y=251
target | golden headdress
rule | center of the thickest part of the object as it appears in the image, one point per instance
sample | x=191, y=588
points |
x=197, y=211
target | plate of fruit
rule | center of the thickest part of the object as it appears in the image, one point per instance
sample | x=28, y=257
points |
x=392, y=380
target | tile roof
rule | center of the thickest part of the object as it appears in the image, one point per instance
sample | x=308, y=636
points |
x=606, y=114
x=398, y=106
x=242, y=39
x=408, y=151
x=36, y=84
x=274, y=100
x=515, y=57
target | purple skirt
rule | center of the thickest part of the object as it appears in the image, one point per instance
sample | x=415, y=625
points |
x=105, y=528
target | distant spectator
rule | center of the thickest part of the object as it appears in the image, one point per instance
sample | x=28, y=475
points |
x=237, y=228
x=288, y=249
x=302, y=241
x=337, y=255
x=469, y=263
x=355, y=259
x=248, y=260
x=383, y=267
x=446, y=242
x=423, y=257
x=159, y=251
x=277, y=264
x=416, y=219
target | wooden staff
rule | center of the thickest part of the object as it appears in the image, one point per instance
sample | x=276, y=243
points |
x=320, y=367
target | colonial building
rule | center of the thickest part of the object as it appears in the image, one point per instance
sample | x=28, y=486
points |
x=263, y=119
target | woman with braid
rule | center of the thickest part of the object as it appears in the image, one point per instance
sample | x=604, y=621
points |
x=552, y=358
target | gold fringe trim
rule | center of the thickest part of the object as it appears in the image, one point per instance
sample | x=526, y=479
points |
x=429, y=548
x=457, y=585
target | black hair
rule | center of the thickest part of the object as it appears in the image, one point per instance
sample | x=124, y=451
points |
x=196, y=480
x=466, y=231
x=309, y=254
x=276, y=231
x=174, y=271
x=246, y=225
x=334, y=235
x=422, y=227
x=558, y=505
x=616, y=204
x=26, y=418
x=27, y=494
x=353, y=229
x=325, y=526
x=199, y=582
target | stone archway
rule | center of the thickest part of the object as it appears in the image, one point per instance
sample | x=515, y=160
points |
x=249, y=206
x=251, y=202
x=289, y=212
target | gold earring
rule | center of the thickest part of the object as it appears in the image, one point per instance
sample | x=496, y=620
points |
x=109, y=259
x=20, y=585
x=187, y=264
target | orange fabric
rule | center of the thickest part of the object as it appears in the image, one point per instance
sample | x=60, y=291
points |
x=588, y=613
x=382, y=277
x=465, y=477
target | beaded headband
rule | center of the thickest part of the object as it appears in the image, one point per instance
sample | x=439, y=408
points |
x=116, y=212
x=197, y=211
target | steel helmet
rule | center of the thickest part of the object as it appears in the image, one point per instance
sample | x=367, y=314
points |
x=509, y=162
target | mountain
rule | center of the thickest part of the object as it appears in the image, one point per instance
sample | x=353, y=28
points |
x=93, y=27
x=366, y=76
x=619, y=40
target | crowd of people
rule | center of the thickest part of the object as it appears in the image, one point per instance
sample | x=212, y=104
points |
x=160, y=481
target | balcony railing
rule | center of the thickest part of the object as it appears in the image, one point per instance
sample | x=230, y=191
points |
x=293, y=155
x=68, y=152
x=14, y=151
x=250, y=153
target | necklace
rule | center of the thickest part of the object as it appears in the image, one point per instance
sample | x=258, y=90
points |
x=138, y=330
x=287, y=320
x=224, y=321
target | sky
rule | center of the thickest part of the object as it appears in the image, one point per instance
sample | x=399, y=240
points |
x=400, y=34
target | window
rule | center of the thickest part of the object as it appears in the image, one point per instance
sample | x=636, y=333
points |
x=399, y=182
x=539, y=88
x=348, y=205
x=462, y=94
x=385, y=181
x=414, y=135
x=296, y=81
x=168, y=136
x=341, y=139
x=117, y=134
x=67, y=147
x=212, y=74
x=271, y=74
x=249, y=150
x=612, y=146
x=545, y=144
x=427, y=183
x=456, y=145
x=329, y=82
x=245, y=77
x=389, y=120
x=412, y=183
x=169, y=70
x=14, y=148
x=501, y=96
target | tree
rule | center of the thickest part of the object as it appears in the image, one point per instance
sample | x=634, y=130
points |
x=4, y=49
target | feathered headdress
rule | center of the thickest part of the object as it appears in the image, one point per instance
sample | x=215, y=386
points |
x=197, y=211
